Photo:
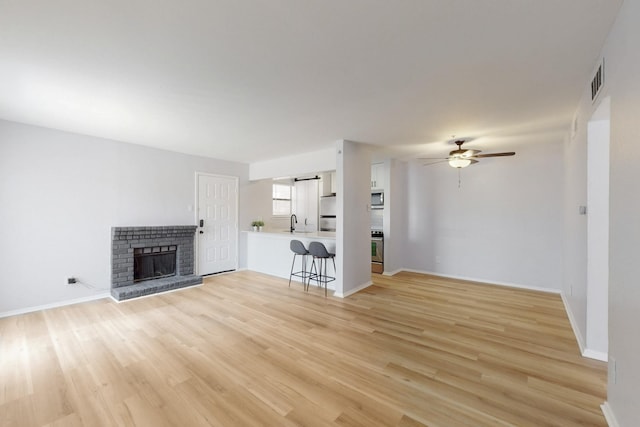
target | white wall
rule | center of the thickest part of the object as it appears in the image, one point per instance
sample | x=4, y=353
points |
x=622, y=84
x=503, y=225
x=353, y=231
x=60, y=194
x=622, y=88
x=574, y=286
x=395, y=231
x=296, y=165
x=586, y=171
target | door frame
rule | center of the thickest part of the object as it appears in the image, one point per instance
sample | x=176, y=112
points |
x=196, y=252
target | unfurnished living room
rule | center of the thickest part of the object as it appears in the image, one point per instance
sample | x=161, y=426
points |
x=320, y=213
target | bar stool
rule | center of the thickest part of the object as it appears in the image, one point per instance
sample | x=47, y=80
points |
x=297, y=247
x=320, y=252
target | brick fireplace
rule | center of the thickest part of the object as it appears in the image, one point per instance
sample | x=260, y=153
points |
x=129, y=243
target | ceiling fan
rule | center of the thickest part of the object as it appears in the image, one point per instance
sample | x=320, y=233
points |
x=461, y=158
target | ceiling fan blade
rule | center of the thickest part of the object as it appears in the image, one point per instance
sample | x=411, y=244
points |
x=510, y=153
x=470, y=153
x=473, y=161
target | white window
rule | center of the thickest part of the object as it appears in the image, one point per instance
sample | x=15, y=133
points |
x=282, y=195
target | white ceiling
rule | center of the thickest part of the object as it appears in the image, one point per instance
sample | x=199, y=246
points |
x=251, y=80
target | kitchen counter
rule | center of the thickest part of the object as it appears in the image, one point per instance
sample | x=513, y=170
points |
x=299, y=235
x=268, y=251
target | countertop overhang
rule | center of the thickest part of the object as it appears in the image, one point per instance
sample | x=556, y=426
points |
x=295, y=235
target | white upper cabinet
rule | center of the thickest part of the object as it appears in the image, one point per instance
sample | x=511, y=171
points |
x=377, y=176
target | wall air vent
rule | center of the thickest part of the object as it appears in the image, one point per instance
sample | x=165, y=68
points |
x=598, y=81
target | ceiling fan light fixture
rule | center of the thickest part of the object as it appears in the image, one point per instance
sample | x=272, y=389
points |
x=459, y=162
x=462, y=157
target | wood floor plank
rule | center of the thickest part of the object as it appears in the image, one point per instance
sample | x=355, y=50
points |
x=245, y=349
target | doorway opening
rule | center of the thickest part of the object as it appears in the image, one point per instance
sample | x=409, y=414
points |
x=598, y=142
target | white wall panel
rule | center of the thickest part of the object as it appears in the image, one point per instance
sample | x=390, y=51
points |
x=503, y=224
x=60, y=194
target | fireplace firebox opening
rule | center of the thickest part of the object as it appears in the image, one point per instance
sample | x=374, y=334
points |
x=154, y=262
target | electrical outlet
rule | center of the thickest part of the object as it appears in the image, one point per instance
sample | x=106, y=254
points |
x=71, y=280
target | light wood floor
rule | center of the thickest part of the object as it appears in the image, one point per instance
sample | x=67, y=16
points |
x=245, y=350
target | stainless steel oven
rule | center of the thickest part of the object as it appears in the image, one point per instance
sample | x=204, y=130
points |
x=377, y=251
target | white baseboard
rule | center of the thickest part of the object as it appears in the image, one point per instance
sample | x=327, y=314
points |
x=609, y=415
x=353, y=291
x=392, y=273
x=584, y=351
x=574, y=324
x=488, y=282
x=54, y=305
x=597, y=355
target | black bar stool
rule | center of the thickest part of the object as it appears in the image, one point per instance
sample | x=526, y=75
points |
x=297, y=247
x=320, y=252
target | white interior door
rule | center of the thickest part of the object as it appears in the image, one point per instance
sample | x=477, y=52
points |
x=217, y=224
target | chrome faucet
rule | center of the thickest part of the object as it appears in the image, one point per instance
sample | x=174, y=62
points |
x=294, y=221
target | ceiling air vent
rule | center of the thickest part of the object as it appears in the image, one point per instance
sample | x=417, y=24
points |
x=598, y=81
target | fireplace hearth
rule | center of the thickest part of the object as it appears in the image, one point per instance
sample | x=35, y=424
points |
x=148, y=260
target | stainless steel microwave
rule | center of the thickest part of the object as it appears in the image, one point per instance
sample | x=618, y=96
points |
x=377, y=200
